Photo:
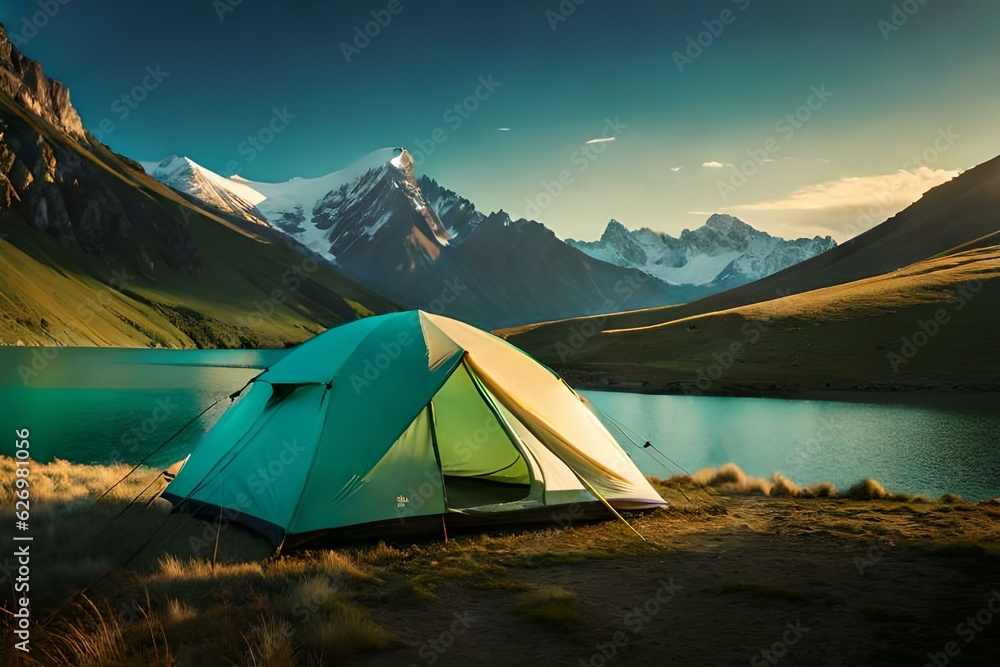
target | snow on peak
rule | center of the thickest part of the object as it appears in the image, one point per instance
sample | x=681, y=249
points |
x=187, y=176
x=723, y=249
x=301, y=194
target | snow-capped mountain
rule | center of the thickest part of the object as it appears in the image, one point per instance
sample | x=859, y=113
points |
x=223, y=194
x=723, y=253
x=426, y=246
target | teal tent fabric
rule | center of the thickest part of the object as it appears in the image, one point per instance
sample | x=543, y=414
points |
x=368, y=424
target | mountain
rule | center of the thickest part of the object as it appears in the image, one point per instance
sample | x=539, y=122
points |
x=723, y=253
x=428, y=247
x=207, y=187
x=95, y=252
x=910, y=304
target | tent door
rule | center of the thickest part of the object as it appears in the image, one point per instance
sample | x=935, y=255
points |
x=481, y=461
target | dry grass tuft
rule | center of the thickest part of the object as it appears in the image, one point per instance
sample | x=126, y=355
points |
x=63, y=483
x=819, y=490
x=179, y=611
x=269, y=644
x=99, y=636
x=341, y=628
x=174, y=568
x=867, y=489
x=343, y=565
x=731, y=480
x=782, y=487
x=383, y=555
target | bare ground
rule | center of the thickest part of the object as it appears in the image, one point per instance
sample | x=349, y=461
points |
x=721, y=577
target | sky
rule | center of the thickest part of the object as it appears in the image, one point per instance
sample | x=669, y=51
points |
x=801, y=118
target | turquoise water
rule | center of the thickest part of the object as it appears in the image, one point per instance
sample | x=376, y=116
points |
x=925, y=444
x=97, y=405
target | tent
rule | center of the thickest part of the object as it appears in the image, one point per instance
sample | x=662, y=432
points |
x=404, y=424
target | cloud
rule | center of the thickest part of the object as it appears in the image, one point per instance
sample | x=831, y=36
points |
x=503, y=129
x=601, y=141
x=716, y=165
x=675, y=169
x=885, y=191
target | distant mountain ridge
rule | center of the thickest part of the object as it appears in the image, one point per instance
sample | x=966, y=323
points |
x=426, y=246
x=723, y=253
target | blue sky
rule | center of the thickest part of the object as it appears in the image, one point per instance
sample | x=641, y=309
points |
x=698, y=128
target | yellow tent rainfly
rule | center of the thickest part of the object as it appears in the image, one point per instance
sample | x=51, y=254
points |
x=401, y=425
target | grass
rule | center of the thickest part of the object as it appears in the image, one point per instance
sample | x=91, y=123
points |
x=833, y=338
x=172, y=606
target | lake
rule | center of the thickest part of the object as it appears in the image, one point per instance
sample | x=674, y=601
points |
x=926, y=444
x=93, y=405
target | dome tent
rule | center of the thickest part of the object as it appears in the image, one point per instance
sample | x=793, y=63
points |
x=404, y=424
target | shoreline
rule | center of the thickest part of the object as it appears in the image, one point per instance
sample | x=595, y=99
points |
x=848, y=394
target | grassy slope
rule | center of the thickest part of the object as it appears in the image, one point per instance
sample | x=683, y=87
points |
x=835, y=338
x=838, y=315
x=59, y=295
x=961, y=214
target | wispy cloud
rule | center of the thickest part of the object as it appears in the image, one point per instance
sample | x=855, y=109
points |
x=503, y=129
x=716, y=165
x=675, y=169
x=601, y=141
x=886, y=190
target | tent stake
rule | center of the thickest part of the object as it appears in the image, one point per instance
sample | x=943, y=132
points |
x=444, y=527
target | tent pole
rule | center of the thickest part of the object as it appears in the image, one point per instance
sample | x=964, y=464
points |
x=218, y=532
x=444, y=527
x=606, y=503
